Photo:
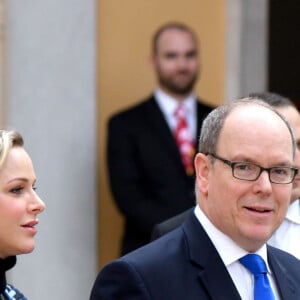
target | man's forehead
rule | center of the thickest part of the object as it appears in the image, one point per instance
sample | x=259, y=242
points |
x=171, y=34
x=258, y=119
x=254, y=122
x=250, y=111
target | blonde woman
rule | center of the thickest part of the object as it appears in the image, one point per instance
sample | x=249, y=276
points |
x=19, y=206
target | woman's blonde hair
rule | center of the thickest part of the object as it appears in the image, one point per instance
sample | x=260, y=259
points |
x=8, y=140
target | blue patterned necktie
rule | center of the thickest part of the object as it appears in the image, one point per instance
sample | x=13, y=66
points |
x=256, y=265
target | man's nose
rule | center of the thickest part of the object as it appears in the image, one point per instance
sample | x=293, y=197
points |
x=263, y=182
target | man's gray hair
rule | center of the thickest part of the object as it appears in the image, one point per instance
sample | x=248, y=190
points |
x=214, y=122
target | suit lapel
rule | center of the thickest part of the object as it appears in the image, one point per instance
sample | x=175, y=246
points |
x=212, y=271
x=285, y=283
x=157, y=121
x=202, y=111
x=198, y=125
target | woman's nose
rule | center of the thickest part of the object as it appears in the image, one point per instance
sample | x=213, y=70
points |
x=38, y=204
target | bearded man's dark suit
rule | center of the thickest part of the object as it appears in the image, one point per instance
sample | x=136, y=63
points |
x=147, y=176
x=170, y=224
x=184, y=264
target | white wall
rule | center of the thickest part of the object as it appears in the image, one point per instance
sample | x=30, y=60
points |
x=51, y=101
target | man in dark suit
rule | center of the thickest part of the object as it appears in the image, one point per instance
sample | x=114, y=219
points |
x=244, y=174
x=287, y=234
x=149, y=178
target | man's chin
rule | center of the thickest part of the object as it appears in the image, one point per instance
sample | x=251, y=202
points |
x=182, y=89
x=179, y=86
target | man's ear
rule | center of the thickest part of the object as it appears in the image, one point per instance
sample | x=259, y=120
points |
x=202, y=168
x=152, y=61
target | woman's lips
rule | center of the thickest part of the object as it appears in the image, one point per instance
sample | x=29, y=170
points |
x=30, y=226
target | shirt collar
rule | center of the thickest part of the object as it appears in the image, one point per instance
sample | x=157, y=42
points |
x=229, y=251
x=293, y=212
x=169, y=104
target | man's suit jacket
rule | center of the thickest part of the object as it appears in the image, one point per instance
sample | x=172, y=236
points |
x=147, y=176
x=184, y=264
x=170, y=224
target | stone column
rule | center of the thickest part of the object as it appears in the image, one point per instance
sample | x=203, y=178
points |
x=2, y=63
x=247, y=47
x=51, y=100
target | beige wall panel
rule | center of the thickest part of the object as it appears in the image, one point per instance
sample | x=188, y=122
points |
x=125, y=29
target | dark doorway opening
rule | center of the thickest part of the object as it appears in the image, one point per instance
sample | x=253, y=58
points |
x=284, y=49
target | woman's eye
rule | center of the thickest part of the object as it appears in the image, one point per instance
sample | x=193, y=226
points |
x=16, y=190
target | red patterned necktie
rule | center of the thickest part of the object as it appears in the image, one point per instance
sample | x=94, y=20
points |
x=184, y=140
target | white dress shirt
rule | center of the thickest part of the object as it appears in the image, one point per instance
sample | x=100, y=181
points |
x=168, y=105
x=287, y=236
x=230, y=254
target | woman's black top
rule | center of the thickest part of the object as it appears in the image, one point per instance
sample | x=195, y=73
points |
x=7, y=291
x=5, y=264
